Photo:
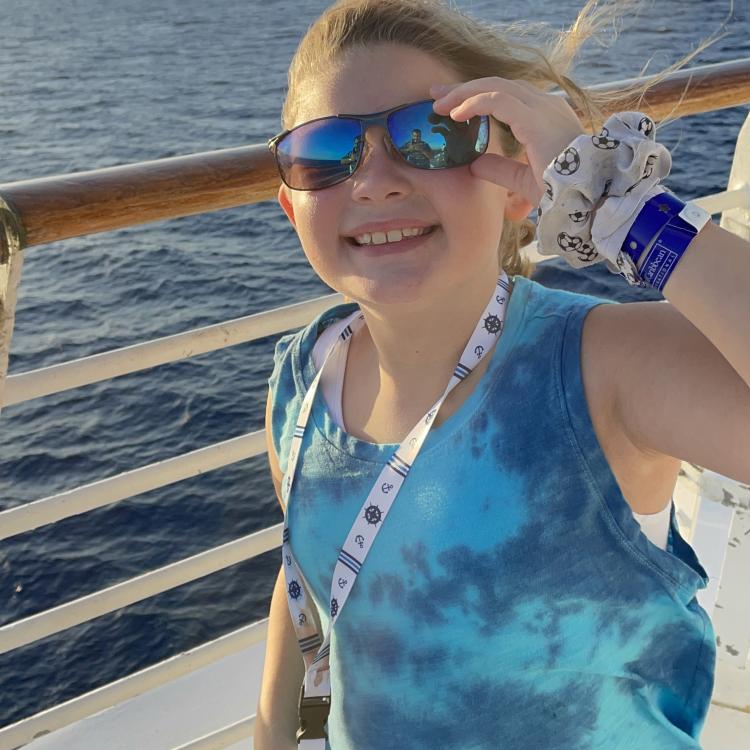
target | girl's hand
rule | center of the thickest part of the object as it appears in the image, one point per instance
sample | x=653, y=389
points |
x=543, y=123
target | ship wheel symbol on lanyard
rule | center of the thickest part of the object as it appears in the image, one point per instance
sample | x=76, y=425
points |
x=373, y=515
x=492, y=324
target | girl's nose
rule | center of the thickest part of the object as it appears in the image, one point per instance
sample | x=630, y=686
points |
x=380, y=172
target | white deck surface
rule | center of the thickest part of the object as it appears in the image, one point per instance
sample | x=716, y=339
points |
x=227, y=691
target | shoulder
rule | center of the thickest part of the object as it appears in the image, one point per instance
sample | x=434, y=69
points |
x=293, y=366
x=609, y=342
x=621, y=347
x=291, y=352
x=294, y=349
x=623, y=344
x=543, y=301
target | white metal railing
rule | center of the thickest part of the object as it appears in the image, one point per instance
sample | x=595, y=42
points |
x=223, y=737
x=73, y=502
x=112, y=364
x=125, y=593
x=22, y=732
x=130, y=359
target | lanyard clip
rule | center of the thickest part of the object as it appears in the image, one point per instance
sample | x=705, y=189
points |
x=313, y=713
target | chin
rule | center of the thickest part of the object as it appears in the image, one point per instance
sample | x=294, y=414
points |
x=387, y=291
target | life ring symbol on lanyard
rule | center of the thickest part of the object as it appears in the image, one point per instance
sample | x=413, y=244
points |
x=316, y=688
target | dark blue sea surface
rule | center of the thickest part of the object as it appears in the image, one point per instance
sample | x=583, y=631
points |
x=87, y=84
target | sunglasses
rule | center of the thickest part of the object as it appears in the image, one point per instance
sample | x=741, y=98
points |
x=328, y=150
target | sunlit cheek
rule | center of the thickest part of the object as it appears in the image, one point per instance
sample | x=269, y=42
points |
x=482, y=215
x=317, y=223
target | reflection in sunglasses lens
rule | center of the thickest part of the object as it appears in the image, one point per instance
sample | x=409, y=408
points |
x=320, y=153
x=428, y=140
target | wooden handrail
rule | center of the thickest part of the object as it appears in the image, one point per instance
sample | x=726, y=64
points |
x=71, y=205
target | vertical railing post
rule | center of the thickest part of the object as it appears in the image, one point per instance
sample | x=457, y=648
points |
x=11, y=262
x=737, y=220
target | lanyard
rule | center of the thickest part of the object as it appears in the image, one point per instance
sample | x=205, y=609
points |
x=315, y=695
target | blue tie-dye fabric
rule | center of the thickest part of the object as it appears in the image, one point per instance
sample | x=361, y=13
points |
x=511, y=599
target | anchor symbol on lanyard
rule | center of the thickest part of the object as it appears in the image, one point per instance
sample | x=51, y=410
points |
x=386, y=488
x=478, y=351
x=302, y=618
x=342, y=582
x=360, y=540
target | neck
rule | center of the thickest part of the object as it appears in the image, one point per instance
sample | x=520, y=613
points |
x=414, y=349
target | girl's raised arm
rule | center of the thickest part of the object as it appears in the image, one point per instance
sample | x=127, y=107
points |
x=679, y=373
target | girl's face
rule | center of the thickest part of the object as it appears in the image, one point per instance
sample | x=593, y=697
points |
x=467, y=210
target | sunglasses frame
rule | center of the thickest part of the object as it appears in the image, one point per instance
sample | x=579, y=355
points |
x=376, y=118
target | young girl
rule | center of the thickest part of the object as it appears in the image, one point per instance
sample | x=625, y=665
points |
x=462, y=455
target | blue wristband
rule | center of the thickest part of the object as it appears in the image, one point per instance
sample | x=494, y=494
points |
x=670, y=225
x=665, y=253
x=656, y=213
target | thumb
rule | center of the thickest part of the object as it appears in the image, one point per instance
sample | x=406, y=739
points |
x=512, y=174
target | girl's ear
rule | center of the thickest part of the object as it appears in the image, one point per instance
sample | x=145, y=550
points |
x=285, y=202
x=517, y=207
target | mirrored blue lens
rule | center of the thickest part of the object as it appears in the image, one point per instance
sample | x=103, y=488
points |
x=320, y=153
x=428, y=140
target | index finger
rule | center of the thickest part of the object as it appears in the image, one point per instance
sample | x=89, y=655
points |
x=521, y=90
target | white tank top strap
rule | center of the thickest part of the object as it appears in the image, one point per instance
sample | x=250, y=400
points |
x=332, y=379
x=328, y=338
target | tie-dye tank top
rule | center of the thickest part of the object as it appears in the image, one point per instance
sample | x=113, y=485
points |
x=511, y=599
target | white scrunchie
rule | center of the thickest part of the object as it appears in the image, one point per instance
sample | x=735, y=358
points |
x=595, y=189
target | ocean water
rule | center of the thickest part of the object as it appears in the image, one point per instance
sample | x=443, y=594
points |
x=87, y=84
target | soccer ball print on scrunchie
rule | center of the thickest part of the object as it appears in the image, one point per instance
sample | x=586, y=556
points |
x=594, y=189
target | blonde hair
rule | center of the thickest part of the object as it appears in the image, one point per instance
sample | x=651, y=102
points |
x=473, y=49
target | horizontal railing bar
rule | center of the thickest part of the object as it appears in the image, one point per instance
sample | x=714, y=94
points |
x=63, y=715
x=222, y=738
x=725, y=200
x=97, y=367
x=103, y=492
x=690, y=91
x=64, y=616
x=102, y=200
x=62, y=206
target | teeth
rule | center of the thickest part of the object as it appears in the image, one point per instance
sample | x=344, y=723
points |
x=394, y=235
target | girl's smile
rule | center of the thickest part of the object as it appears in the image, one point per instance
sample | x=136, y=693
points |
x=381, y=243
